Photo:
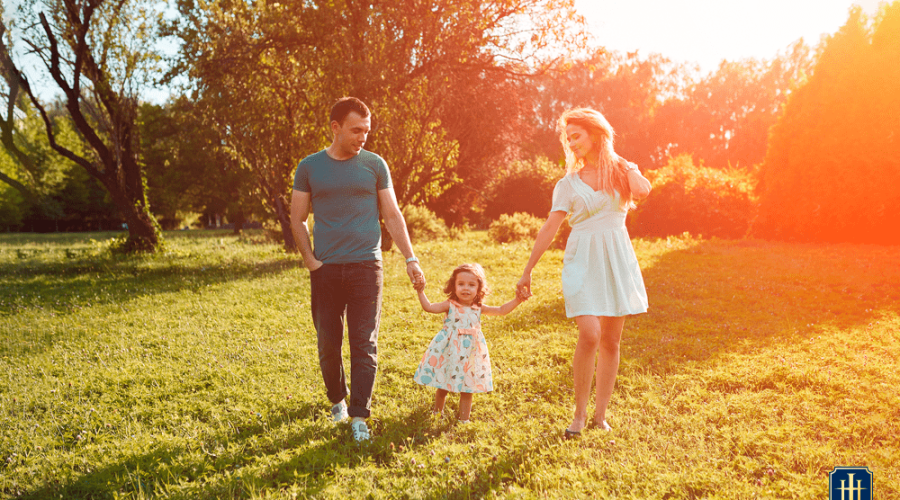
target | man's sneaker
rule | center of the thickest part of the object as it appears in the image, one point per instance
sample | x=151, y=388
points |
x=360, y=430
x=339, y=412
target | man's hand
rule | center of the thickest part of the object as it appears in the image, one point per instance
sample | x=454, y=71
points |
x=416, y=276
x=314, y=264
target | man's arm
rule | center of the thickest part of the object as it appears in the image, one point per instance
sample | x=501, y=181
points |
x=396, y=226
x=299, y=214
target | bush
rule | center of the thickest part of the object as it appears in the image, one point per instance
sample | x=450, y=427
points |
x=523, y=186
x=423, y=224
x=516, y=227
x=696, y=199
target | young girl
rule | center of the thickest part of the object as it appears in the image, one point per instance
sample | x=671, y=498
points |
x=457, y=359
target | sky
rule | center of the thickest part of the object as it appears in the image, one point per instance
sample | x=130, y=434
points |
x=704, y=32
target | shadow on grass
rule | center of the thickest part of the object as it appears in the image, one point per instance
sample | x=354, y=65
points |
x=722, y=297
x=189, y=467
x=208, y=475
x=66, y=286
x=196, y=472
x=729, y=297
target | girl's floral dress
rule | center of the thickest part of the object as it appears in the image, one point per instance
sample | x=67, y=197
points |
x=457, y=359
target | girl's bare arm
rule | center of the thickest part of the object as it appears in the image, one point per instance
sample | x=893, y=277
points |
x=502, y=310
x=440, y=307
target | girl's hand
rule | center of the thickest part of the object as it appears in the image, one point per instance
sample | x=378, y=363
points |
x=523, y=287
x=419, y=285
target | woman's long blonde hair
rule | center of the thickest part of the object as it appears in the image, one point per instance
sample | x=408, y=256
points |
x=610, y=171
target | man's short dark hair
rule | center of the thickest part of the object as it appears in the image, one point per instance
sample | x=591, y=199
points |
x=346, y=105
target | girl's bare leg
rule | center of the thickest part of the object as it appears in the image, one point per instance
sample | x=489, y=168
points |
x=583, y=365
x=465, y=405
x=439, y=398
x=607, y=365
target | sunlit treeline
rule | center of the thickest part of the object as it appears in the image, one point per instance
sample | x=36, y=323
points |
x=465, y=95
x=833, y=163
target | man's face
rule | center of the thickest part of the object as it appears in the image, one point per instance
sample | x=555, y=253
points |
x=351, y=136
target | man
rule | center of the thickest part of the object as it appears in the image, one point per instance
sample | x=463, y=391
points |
x=348, y=188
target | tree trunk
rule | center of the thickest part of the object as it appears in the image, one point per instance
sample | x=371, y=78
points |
x=127, y=191
x=237, y=218
x=285, y=220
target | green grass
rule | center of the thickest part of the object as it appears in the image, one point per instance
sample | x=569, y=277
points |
x=193, y=374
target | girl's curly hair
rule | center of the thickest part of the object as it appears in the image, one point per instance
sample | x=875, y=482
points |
x=478, y=272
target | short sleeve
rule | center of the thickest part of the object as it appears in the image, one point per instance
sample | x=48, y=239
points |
x=382, y=174
x=301, y=178
x=562, y=196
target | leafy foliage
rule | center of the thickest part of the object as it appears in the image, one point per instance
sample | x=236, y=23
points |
x=268, y=72
x=833, y=161
x=191, y=173
x=696, y=199
x=626, y=88
x=515, y=227
x=660, y=108
x=423, y=224
x=99, y=55
x=523, y=187
x=63, y=196
x=723, y=119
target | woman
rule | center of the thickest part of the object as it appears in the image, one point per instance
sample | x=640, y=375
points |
x=601, y=279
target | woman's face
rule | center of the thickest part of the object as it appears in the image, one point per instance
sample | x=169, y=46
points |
x=580, y=141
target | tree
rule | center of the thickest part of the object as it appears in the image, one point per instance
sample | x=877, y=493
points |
x=190, y=172
x=268, y=74
x=99, y=54
x=488, y=114
x=724, y=118
x=833, y=161
x=60, y=196
x=626, y=88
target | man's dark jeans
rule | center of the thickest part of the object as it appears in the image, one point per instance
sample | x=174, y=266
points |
x=353, y=291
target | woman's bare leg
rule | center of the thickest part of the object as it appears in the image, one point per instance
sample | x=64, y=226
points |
x=583, y=366
x=607, y=365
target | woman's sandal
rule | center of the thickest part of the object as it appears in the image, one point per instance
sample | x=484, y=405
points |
x=571, y=434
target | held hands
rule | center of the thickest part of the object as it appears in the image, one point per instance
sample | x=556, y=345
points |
x=416, y=276
x=523, y=287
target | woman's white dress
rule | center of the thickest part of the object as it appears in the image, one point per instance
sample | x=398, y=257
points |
x=600, y=275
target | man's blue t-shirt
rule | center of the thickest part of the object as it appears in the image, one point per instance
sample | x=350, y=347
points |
x=344, y=196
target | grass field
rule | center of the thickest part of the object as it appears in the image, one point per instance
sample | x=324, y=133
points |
x=193, y=374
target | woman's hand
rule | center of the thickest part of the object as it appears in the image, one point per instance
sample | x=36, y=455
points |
x=523, y=287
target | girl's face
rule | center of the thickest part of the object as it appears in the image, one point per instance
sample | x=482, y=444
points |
x=580, y=141
x=466, y=287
